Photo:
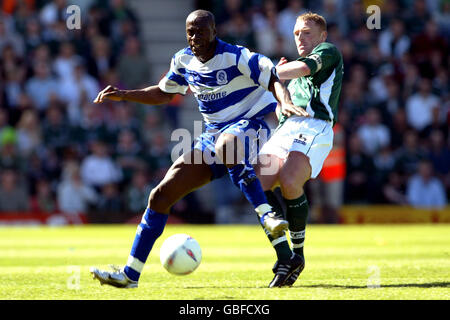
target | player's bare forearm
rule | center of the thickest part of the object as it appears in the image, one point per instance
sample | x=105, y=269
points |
x=151, y=95
x=292, y=70
x=279, y=91
x=283, y=96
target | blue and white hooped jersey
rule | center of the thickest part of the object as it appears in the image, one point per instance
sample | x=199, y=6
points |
x=233, y=84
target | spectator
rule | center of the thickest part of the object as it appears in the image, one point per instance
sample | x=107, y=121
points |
x=53, y=12
x=417, y=17
x=33, y=37
x=44, y=200
x=427, y=44
x=101, y=60
x=14, y=77
x=81, y=88
x=265, y=28
x=10, y=37
x=159, y=154
x=137, y=193
x=378, y=85
x=393, y=102
x=98, y=168
x=133, y=67
x=150, y=126
x=56, y=130
x=128, y=154
x=239, y=31
x=439, y=155
x=42, y=86
x=424, y=190
x=110, y=207
x=394, y=190
x=409, y=155
x=355, y=17
x=66, y=61
x=90, y=128
x=442, y=18
x=393, y=42
x=124, y=118
x=9, y=155
x=29, y=133
x=437, y=123
x=419, y=107
x=13, y=196
x=73, y=195
x=359, y=171
x=373, y=134
x=119, y=12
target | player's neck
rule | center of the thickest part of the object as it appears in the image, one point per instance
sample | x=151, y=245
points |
x=210, y=53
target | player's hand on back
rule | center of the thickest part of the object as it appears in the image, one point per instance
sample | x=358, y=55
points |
x=111, y=93
x=289, y=109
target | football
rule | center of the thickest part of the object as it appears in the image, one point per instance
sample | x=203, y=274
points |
x=180, y=254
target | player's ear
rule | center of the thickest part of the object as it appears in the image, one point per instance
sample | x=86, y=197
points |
x=323, y=36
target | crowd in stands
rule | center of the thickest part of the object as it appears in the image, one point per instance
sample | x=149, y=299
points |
x=59, y=152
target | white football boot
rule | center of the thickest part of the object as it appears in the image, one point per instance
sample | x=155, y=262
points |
x=116, y=278
x=275, y=225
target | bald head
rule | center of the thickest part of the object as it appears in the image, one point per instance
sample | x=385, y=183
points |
x=202, y=15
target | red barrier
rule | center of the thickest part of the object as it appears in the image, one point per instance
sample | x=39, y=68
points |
x=25, y=218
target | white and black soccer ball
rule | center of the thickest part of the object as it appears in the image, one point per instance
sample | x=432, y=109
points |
x=180, y=254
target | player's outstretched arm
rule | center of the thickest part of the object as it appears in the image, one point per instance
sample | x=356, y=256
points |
x=151, y=95
x=292, y=70
x=280, y=92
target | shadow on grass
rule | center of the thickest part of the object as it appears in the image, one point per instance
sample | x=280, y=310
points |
x=400, y=285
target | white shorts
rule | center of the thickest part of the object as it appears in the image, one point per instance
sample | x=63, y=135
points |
x=310, y=136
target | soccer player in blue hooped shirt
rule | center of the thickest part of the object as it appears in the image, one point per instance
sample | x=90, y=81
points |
x=234, y=89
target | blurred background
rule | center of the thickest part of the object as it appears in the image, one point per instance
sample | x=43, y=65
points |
x=64, y=160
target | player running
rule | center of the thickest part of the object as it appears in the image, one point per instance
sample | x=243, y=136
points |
x=300, y=144
x=234, y=89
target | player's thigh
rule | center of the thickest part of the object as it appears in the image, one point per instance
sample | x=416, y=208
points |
x=241, y=141
x=184, y=176
x=267, y=169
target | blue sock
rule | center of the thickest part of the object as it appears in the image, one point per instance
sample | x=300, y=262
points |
x=150, y=228
x=244, y=177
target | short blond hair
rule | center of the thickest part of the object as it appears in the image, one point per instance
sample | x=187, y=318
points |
x=317, y=18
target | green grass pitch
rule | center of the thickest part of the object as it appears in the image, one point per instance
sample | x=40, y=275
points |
x=342, y=262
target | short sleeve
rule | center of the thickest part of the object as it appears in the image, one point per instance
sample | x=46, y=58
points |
x=257, y=67
x=174, y=81
x=324, y=56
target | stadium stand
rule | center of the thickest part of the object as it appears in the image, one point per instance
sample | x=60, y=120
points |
x=394, y=107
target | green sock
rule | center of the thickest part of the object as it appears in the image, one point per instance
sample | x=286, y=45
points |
x=297, y=215
x=280, y=244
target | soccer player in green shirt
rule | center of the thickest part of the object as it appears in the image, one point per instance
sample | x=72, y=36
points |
x=296, y=151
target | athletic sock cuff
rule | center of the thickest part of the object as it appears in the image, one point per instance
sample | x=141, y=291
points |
x=300, y=201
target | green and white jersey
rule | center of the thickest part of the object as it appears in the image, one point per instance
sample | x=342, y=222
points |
x=319, y=92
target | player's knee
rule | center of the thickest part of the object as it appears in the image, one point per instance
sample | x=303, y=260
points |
x=293, y=178
x=159, y=201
